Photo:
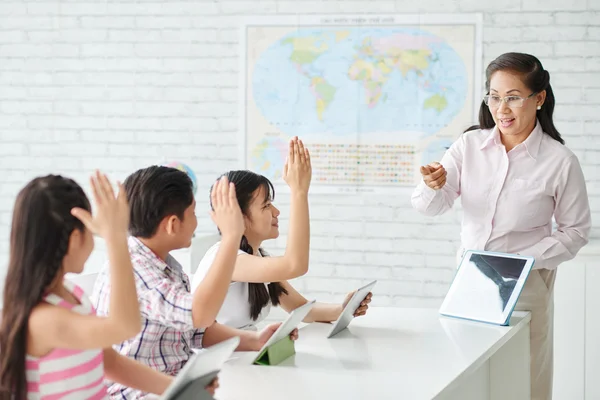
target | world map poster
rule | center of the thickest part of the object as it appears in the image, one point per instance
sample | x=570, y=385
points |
x=373, y=97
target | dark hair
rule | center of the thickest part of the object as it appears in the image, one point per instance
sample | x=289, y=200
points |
x=39, y=240
x=154, y=193
x=535, y=77
x=246, y=184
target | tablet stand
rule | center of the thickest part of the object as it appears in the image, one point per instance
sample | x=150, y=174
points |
x=277, y=352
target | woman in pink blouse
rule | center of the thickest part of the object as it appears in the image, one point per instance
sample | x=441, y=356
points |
x=513, y=174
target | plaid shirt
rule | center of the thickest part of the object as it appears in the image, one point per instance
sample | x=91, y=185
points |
x=168, y=334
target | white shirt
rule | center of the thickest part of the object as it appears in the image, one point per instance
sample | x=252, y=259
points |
x=509, y=198
x=235, y=311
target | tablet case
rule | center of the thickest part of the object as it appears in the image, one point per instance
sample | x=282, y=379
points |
x=277, y=352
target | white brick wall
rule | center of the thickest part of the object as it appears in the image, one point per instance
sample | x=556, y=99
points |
x=129, y=83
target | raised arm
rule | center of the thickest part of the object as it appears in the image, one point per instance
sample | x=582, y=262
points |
x=208, y=297
x=294, y=262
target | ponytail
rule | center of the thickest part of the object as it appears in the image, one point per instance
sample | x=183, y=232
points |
x=258, y=296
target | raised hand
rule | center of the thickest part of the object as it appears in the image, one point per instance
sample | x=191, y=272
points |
x=112, y=212
x=226, y=213
x=297, y=171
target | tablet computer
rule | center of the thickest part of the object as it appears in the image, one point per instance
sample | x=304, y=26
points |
x=201, y=368
x=291, y=322
x=348, y=312
x=486, y=286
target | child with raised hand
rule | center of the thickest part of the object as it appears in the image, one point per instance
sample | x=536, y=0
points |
x=52, y=344
x=260, y=281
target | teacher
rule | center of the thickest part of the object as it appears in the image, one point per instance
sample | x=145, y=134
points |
x=513, y=174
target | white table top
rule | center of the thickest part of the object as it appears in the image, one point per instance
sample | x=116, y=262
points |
x=389, y=353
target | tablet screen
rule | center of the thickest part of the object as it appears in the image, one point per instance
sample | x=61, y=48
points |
x=202, y=365
x=484, y=286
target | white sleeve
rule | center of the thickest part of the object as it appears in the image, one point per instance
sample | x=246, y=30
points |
x=206, y=263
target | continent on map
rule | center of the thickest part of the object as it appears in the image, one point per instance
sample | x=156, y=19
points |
x=307, y=50
x=378, y=57
x=342, y=35
x=437, y=102
x=373, y=75
x=324, y=94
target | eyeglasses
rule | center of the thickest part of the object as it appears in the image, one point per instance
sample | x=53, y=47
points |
x=493, y=101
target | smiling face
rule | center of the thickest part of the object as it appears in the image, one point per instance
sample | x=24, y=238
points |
x=262, y=218
x=255, y=194
x=516, y=119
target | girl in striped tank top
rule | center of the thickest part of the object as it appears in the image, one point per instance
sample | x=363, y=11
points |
x=52, y=345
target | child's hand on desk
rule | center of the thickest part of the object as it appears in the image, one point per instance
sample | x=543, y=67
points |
x=212, y=386
x=364, y=305
x=265, y=334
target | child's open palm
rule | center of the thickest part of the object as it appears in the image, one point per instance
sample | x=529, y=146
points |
x=226, y=210
x=297, y=171
x=112, y=214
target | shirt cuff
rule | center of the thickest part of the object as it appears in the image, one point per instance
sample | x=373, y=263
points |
x=427, y=193
x=536, y=251
x=197, y=338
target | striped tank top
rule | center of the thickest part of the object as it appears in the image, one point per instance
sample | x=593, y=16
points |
x=67, y=374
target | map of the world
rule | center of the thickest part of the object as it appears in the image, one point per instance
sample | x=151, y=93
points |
x=356, y=86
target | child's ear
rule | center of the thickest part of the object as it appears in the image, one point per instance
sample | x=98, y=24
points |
x=172, y=225
x=75, y=240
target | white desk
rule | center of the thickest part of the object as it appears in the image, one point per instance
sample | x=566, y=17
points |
x=392, y=353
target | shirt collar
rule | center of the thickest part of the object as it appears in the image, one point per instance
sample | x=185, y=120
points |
x=531, y=144
x=534, y=140
x=493, y=138
x=137, y=247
